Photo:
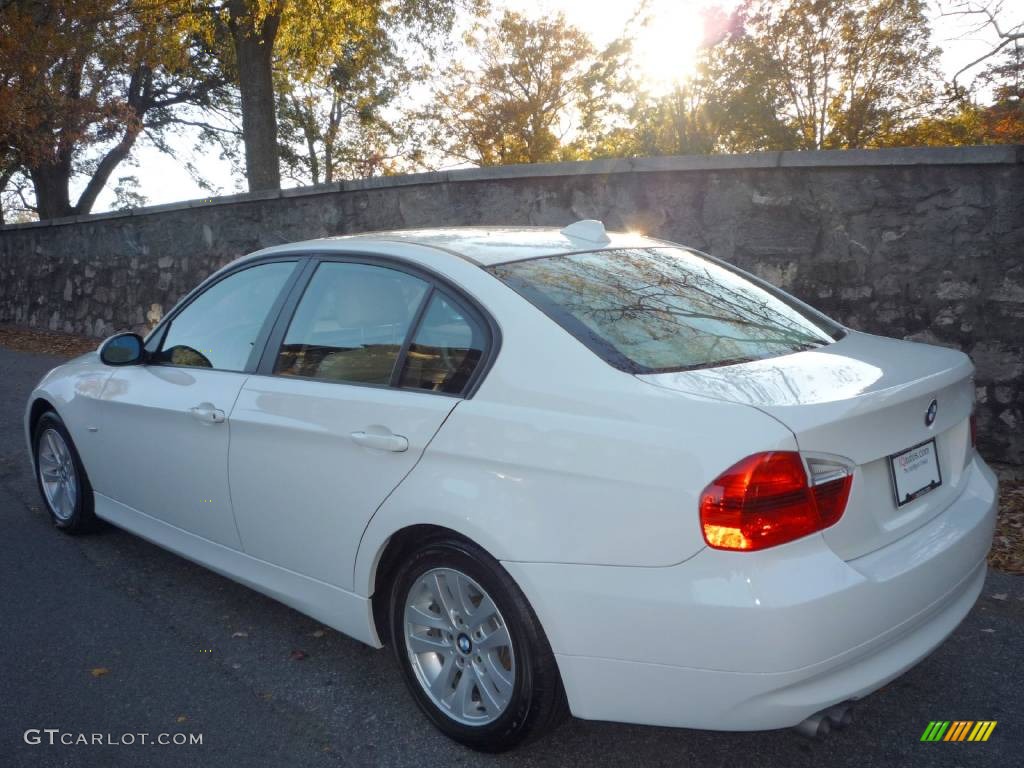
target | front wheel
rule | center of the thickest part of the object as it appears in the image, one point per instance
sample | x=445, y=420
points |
x=61, y=477
x=472, y=651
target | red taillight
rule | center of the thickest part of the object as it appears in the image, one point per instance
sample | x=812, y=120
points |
x=765, y=500
x=974, y=430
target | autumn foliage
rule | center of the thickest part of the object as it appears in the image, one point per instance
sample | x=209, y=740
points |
x=319, y=90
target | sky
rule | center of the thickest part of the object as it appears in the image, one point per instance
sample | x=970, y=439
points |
x=663, y=50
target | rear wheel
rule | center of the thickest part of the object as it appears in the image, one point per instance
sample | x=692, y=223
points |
x=61, y=477
x=472, y=651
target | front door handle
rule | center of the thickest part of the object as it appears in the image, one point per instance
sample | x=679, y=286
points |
x=381, y=439
x=206, y=413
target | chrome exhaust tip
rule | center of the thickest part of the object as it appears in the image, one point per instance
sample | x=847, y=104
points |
x=821, y=724
x=841, y=715
x=815, y=727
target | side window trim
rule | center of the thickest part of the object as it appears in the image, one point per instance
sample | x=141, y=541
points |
x=466, y=308
x=271, y=319
x=155, y=339
x=414, y=324
x=290, y=301
x=437, y=284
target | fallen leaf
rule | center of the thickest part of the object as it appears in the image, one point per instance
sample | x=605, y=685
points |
x=298, y=655
x=267, y=696
x=240, y=634
x=46, y=342
x=99, y=671
x=1007, y=553
x=318, y=633
x=181, y=718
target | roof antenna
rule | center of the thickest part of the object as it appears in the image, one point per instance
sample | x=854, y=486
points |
x=590, y=230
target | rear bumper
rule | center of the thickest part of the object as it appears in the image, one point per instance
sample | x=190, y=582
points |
x=751, y=641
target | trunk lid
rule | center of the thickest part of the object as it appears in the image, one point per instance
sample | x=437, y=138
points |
x=859, y=400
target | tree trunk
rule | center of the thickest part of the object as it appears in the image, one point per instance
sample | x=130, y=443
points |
x=5, y=178
x=51, y=182
x=254, y=52
x=106, y=166
x=309, y=132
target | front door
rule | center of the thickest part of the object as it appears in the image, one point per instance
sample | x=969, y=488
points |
x=164, y=426
x=373, y=361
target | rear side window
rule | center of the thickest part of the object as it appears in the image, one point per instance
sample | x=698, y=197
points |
x=648, y=310
x=446, y=348
x=351, y=324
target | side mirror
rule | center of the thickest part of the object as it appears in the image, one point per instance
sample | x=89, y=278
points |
x=123, y=349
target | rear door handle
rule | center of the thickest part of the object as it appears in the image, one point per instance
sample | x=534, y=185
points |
x=381, y=439
x=206, y=413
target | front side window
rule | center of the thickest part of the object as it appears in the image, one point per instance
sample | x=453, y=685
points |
x=446, y=349
x=351, y=324
x=646, y=310
x=219, y=328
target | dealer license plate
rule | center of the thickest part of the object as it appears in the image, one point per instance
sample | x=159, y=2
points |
x=915, y=471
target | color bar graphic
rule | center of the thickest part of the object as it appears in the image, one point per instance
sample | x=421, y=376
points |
x=935, y=730
x=958, y=730
x=982, y=730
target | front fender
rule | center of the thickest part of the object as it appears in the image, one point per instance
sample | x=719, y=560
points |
x=73, y=390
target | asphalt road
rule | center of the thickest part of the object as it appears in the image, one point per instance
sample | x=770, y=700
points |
x=187, y=651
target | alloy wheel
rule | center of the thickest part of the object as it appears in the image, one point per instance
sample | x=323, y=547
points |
x=459, y=646
x=57, y=474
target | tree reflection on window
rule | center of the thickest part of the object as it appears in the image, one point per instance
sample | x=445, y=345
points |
x=657, y=309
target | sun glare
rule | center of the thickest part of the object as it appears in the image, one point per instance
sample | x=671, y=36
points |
x=666, y=46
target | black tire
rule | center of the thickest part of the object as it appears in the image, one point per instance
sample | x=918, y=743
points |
x=82, y=517
x=537, y=703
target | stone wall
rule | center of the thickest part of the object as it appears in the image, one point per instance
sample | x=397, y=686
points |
x=925, y=244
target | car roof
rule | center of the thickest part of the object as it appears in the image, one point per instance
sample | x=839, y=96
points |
x=486, y=245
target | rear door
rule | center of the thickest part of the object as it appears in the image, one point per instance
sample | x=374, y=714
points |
x=164, y=425
x=357, y=379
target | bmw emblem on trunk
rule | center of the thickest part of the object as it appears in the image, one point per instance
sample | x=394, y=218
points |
x=929, y=415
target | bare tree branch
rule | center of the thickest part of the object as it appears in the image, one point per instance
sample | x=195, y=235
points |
x=990, y=13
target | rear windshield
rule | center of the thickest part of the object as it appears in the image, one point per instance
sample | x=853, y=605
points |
x=650, y=310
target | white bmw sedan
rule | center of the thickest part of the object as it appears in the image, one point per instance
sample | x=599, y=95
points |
x=551, y=469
